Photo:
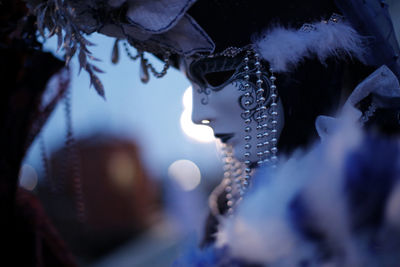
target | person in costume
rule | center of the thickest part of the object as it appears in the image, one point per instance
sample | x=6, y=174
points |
x=268, y=77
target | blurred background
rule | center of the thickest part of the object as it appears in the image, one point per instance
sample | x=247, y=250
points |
x=132, y=188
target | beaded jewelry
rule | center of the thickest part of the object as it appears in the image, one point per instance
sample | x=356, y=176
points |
x=237, y=175
x=145, y=66
x=231, y=184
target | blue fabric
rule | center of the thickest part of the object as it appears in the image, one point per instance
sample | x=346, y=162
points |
x=371, y=173
x=371, y=19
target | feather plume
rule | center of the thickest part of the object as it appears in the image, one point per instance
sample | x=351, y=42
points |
x=284, y=48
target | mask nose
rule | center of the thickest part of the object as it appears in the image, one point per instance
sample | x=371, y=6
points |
x=202, y=112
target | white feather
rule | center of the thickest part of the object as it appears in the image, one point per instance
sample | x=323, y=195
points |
x=285, y=48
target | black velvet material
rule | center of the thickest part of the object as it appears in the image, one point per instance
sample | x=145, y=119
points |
x=235, y=22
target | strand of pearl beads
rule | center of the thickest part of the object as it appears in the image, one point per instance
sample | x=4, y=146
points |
x=228, y=178
x=261, y=117
x=247, y=129
x=274, y=122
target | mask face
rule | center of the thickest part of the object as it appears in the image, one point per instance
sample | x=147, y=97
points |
x=220, y=101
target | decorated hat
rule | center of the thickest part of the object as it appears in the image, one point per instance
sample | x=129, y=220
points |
x=295, y=38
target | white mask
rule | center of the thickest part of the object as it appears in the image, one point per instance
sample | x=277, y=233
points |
x=218, y=101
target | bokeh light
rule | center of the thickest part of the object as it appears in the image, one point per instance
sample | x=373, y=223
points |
x=122, y=170
x=200, y=133
x=28, y=177
x=185, y=173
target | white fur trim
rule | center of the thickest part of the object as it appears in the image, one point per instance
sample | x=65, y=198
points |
x=284, y=48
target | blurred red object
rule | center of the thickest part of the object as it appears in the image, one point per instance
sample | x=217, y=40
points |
x=119, y=198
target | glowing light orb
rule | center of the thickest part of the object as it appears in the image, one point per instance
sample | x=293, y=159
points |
x=200, y=133
x=28, y=177
x=185, y=173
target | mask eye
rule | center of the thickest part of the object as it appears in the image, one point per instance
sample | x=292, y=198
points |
x=216, y=79
x=214, y=72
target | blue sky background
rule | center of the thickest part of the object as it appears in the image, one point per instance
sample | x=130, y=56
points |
x=145, y=113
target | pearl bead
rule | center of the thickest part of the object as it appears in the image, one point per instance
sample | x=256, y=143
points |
x=247, y=154
x=274, y=150
x=247, y=162
x=229, y=203
x=246, y=77
x=247, y=121
x=247, y=137
x=260, y=162
x=246, y=68
x=259, y=136
x=247, y=129
x=228, y=189
x=260, y=91
x=272, y=78
x=259, y=154
x=247, y=170
x=259, y=145
x=229, y=196
x=247, y=146
x=273, y=86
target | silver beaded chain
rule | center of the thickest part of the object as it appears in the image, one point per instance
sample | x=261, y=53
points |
x=237, y=175
x=248, y=102
x=274, y=115
x=146, y=65
x=261, y=117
